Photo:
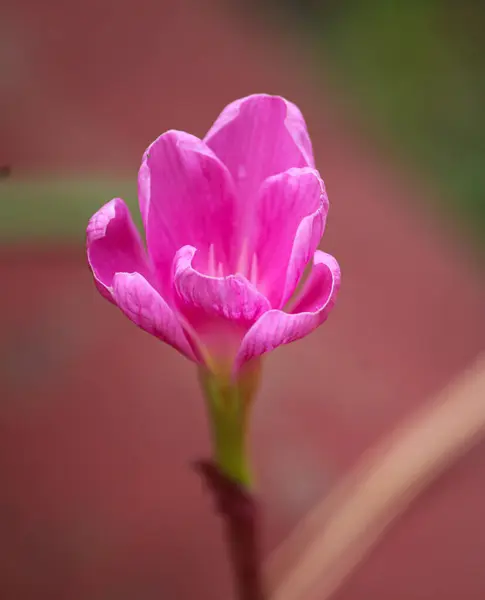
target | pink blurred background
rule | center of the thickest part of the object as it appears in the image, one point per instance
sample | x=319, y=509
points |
x=99, y=423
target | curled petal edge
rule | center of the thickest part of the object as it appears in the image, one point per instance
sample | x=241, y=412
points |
x=113, y=245
x=232, y=297
x=307, y=238
x=276, y=328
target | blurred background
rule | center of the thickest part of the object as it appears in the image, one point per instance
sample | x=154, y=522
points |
x=99, y=422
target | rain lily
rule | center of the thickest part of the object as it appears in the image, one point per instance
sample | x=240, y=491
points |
x=231, y=222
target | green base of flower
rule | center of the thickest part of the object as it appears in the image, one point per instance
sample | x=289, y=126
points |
x=228, y=404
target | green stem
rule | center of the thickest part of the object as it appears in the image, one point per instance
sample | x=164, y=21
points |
x=228, y=404
x=228, y=421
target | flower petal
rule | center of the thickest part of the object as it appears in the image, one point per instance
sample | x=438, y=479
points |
x=143, y=305
x=113, y=245
x=276, y=327
x=186, y=196
x=219, y=310
x=289, y=222
x=259, y=136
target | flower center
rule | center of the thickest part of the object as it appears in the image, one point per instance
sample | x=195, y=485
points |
x=246, y=265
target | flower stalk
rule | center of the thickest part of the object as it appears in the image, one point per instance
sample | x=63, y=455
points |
x=228, y=404
x=238, y=508
x=228, y=475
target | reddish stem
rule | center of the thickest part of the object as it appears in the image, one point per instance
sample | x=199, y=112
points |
x=240, y=512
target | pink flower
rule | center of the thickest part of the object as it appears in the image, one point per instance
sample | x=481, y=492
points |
x=231, y=222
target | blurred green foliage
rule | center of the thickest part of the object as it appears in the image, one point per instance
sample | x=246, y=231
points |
x=43, y=209
x=413, y=72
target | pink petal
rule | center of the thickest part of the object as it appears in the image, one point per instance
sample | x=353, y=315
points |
x=259, y=136
x=218, y=310
x=143, y=305
x=276, y=327
x=113, y=245
x=187, y=197
x=289, y=223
